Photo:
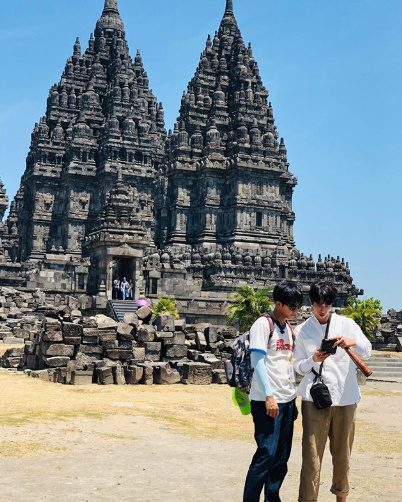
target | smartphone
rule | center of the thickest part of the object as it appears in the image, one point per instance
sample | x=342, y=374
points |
x=326, y=346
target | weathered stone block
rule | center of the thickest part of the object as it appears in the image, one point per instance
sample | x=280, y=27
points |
x=104, y=322
x=52, y=324
x=12, y=362
x=180, y=325
x=163, y=335
x=138, y=354
x=107, y=336
x=72, y=341
x=165, y=375
x=75, y=314
x=118, y=374
x=89, y=322
x=110, y=344
x=57, y=349
x=153, y=351
x=85, y=361
x=124, y=331
x=52, y=336
x=91, y=349
x=54, y=362
x=219, y=376
x=164, y=322
x=215, y=363
x=82, y=377
x=179, y=338
x=228, y=332
x=146, y=333
x=148, y=374
x=175, y=351
x=12, y=340
x=131, y=319
x=211, y=334
x=42, y=375
x=21, y=333
x=125, y=344
x=72, y=330
x=144, y=314
x=195, y=373
x=200, y=341
x=133, y=374
x=90, y=340
x=105, y=375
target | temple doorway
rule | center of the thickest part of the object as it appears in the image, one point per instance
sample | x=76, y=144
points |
x=124, y=268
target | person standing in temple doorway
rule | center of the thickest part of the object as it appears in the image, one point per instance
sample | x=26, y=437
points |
x=130, y=289
x=116, y=288
x=124, y=288
x=273, y=394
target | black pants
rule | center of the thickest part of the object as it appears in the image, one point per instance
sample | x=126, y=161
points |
x=274, y=442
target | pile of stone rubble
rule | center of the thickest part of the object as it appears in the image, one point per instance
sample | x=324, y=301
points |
x=66, y=347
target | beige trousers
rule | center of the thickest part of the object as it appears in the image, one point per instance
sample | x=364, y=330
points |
x=337, y=423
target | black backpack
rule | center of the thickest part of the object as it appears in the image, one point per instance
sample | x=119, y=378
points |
x=238, y=369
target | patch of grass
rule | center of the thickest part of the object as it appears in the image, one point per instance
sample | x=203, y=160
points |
x=386, y=442
x=380, y=393
x=23, y=449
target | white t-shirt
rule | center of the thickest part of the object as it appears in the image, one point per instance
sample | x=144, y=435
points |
x=278, y=361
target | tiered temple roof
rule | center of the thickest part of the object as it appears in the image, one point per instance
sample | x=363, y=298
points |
x=228, y=177
x=101, y=117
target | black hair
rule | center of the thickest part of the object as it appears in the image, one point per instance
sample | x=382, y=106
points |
x=288, y=293
x=323, y=292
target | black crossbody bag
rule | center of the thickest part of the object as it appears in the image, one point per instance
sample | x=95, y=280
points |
x=319, y=391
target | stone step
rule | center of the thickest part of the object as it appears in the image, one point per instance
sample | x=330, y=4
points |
x=381, y=374
x=122, y=307
x=385, y=362
x=395, y=369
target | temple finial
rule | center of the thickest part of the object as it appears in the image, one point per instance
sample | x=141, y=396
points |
x=229, y=7
x=111, y=6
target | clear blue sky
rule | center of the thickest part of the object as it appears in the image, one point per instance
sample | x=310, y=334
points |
x=334, y=72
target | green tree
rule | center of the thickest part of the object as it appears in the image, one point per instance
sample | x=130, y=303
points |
x=366, y=313
x=166, y=306
x=248, y=305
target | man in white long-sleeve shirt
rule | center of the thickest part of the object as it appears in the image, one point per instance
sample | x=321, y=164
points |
x=272, y=394
x=339, y=374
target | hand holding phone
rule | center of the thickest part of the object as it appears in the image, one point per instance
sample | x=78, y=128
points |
x=327, y=345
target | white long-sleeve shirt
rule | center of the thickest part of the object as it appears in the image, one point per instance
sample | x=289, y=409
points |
x=339, y=371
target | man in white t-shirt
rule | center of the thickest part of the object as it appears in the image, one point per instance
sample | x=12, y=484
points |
x=272, y=395
x=339, y=374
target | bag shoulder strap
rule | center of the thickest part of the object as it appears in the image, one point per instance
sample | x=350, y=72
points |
x=271, y=324
x=318, y=375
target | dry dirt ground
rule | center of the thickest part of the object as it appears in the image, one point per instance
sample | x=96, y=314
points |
x=170, y=443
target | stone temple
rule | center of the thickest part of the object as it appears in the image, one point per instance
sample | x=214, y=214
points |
x=193, y=214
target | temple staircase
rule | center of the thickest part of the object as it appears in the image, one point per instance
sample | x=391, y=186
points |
x=385, y=368
x=118, y=308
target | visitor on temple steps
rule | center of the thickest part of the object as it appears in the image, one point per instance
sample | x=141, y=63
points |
x=272, y=395
x=339, y=374
x=124, y=288
x=116, y=288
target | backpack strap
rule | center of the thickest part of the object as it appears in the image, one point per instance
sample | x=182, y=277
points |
x=271, y=325
x=291, y=330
